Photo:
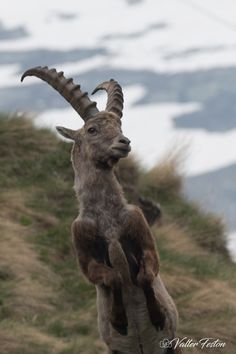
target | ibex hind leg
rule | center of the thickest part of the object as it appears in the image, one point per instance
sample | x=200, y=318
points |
x=118, y=318
x=156, y=313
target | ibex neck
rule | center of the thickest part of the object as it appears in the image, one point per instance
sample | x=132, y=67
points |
x=98, y=190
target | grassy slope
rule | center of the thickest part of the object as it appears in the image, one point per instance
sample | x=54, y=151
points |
x=45, y=304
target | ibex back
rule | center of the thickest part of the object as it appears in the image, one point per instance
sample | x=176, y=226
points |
x=112, y=239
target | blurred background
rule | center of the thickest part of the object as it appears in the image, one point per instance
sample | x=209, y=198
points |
x=176, y=63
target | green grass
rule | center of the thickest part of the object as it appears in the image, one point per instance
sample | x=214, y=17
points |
x=197, y=266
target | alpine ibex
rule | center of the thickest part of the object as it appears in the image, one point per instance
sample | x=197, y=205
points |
x=112, y=239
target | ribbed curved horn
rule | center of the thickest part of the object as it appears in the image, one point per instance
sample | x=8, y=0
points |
x=115, y=96
x=79, y=100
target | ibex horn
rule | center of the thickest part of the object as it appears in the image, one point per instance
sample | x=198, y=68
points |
x=115, y=96
x=79, y=100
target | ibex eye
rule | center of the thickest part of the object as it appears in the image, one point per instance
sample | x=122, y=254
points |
x=92, y=130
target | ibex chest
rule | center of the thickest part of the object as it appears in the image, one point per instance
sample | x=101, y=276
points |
x=109, y=223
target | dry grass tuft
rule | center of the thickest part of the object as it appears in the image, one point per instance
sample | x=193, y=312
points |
x=166, y=177
x=25, y=339
x=34, y=282
x=177, y=240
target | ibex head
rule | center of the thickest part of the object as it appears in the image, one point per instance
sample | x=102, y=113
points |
x=100, y=140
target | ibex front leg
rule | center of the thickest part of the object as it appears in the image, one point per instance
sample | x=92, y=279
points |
x=91, y=250
x=137, y=240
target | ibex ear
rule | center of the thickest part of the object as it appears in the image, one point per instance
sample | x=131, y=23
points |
x=67, y=133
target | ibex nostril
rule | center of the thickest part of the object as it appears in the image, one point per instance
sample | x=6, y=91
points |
x=124, y=140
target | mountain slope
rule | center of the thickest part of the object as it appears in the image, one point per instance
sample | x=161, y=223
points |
x=45, y=304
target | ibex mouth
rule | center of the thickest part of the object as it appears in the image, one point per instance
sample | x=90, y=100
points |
x=121, y=151
x=122, y=148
